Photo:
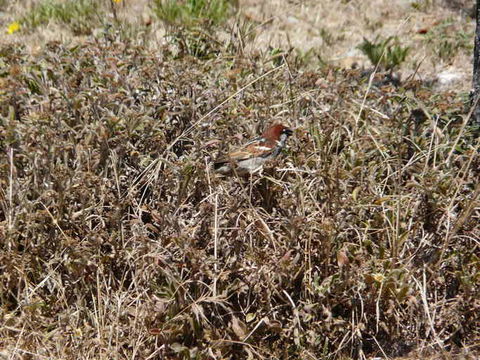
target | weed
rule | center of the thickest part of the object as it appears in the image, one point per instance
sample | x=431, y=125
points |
x=311, y=58
x=241, y=32
x=327, y=36
x=422, y=5
x=76, y=14
x=384, y=54
x=277, y=56
x=446, y=40
x=192, y=12
x=194, y=42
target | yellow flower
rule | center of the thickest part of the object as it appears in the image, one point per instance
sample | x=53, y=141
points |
x=117, y=1
x=14, y=26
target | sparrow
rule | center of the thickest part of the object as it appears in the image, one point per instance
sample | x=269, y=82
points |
x=251, y=157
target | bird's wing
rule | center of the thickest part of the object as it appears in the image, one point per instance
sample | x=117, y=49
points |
x=251, y=150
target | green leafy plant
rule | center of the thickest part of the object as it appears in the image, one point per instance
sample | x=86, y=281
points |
x=77, y=15
x=277, y=56
x=423, y=5
x=388, y=56
x=446, y=40
x=192, y=12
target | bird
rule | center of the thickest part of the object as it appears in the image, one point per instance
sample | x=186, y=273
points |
x=251, y=157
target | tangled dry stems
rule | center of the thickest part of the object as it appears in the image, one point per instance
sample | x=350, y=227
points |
x=361, y=240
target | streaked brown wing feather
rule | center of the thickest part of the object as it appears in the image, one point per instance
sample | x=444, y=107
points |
x=252, y=150
x=234, y=156
x=260, y=149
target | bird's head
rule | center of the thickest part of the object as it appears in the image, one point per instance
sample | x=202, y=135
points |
x=277, y=132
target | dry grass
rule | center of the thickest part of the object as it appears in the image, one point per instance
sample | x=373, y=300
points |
x=120, y=242
x=329, y=30
x=332, y=30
